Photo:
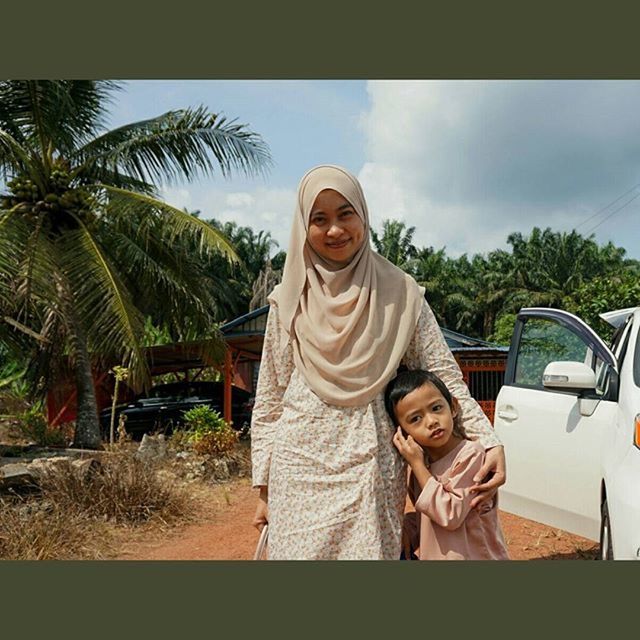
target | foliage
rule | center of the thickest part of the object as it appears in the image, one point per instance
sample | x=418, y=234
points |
x=87, y=249
x=479, y=295
x=277, y=262
x=436, y=273
x=503, y=329
x=155, y=334
x=14, y=389
x=120, y=374
x=203, y=419
x=549, y=266
x=616, y=291
x=395, y=243
x=32, y=425
x=206, y=432
x=253, y=250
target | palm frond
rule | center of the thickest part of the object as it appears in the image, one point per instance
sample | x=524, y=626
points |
x=27, y=269
x=92, y=174
x=178, y=144
x=174, y=222
x=16, y=158
x=165, y=279
x=13, y=347
x=33, y=260
x=13, y=239
x=48, y=362
x=61, y=113
x=114, y=326
x=86, y=109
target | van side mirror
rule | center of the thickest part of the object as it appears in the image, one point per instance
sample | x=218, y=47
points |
x=569, y=376
x=573, y=376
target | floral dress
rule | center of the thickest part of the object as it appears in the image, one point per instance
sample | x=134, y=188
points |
x=336, y=483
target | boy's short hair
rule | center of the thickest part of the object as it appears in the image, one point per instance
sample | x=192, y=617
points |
x=408, y=380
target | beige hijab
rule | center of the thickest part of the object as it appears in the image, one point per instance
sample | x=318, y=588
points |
x=349, y=326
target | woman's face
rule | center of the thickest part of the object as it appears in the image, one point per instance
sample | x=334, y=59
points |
x=336, y=231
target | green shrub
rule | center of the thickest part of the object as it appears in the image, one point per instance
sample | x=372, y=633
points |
x=32, y=424
x=14, y=389
x=207, y=432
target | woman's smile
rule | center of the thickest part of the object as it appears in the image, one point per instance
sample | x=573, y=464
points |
x=338, y=245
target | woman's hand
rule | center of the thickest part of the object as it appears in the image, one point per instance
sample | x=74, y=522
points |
x=409, y=449
x=261, y=516
x=494, y=463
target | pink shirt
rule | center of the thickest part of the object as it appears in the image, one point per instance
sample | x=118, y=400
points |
x=449, y=528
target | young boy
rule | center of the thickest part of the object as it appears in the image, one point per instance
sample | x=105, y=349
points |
x=428, y=420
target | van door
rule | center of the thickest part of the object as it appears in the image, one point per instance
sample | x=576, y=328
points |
x=553, y=451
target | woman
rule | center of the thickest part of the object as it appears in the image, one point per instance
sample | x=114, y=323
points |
x=340, y=323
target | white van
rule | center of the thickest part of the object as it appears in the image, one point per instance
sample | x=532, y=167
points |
x=569, y=417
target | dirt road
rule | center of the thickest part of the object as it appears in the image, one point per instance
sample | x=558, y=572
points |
x=224, y=532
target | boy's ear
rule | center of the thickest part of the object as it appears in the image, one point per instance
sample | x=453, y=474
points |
x=455, y=406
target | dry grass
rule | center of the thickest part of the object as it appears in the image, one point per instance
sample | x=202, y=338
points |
x=76, y=515
x=123, y=490
x=31, y=529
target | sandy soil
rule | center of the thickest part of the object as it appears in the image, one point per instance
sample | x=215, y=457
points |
x=224, y=532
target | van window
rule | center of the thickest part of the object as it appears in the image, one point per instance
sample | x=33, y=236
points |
x=544, y=341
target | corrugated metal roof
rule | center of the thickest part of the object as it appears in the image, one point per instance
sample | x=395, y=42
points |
x=247, y=323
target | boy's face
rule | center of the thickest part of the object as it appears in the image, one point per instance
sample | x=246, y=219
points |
x=425, y=415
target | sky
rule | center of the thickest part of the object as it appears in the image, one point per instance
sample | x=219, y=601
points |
x=464, y=162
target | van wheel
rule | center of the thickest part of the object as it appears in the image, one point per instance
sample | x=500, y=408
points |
x=606, y=548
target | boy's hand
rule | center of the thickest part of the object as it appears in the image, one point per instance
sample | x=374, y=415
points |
x=409, y=449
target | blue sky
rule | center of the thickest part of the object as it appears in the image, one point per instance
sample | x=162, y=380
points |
x=304, y=122
x=465, y=162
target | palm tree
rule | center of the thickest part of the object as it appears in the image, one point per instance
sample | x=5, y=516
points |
x=552, y=265
x=86, y=245
x=489, y=287
x=253, y=250
x=446, y=283
x=396, y=243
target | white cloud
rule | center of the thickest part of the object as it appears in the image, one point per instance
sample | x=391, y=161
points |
x=468, y=162
x=176, y=197
x=239, y=200
x=262, y=209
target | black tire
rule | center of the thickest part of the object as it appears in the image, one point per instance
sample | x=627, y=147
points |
x=606, y=546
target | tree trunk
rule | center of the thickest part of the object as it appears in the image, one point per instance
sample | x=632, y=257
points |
x=87, y=434
x=489, y=323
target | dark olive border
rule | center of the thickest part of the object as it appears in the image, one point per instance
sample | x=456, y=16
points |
x=331, y=39
x=336, y=39
x=293, y=599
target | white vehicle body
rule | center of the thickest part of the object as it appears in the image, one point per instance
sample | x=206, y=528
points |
x=567, y=417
